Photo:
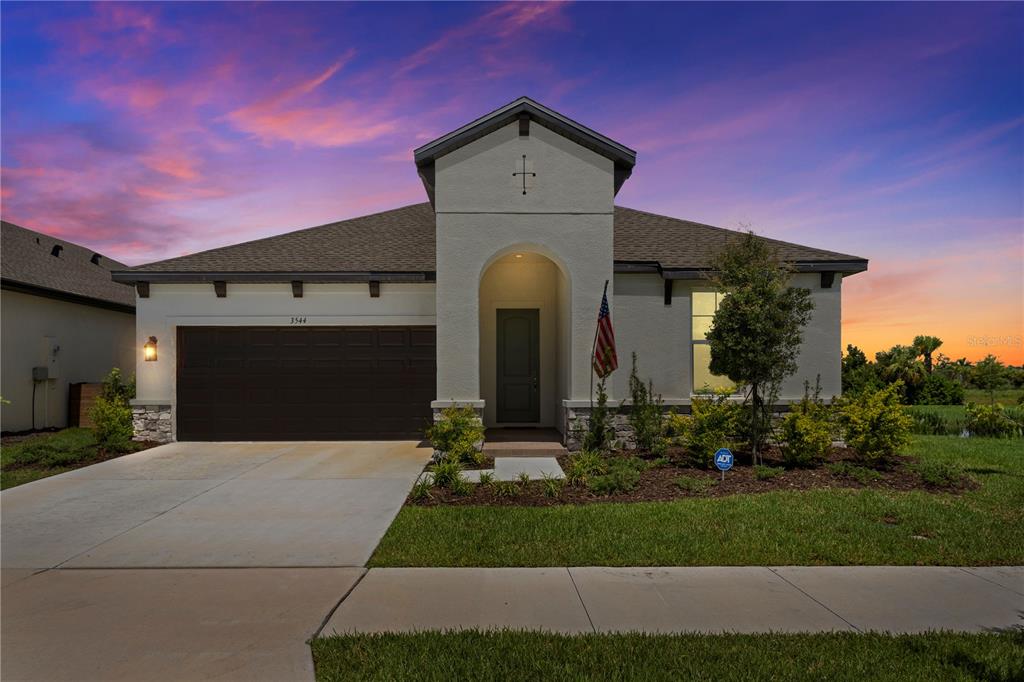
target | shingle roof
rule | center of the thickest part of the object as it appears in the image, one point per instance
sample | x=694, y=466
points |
x=26, y=259
x=682, y=244
x=402, y=240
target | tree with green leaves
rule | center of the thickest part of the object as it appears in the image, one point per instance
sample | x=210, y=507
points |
x=926, y=345
x=756, y=333
x=858, y=374
x=989, y=375
x=900, y=363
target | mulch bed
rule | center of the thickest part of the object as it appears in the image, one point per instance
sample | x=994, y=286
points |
x=658, y=484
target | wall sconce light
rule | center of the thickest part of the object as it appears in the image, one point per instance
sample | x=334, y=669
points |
x=149, y=349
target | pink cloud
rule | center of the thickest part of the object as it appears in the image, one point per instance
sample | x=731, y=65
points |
x=283, y=116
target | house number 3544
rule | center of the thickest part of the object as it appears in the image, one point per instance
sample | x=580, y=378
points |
x=298, y=320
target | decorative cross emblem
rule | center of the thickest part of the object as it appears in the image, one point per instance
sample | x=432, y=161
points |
x=524, y=173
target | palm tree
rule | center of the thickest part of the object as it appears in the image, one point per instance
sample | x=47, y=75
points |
x=900, y=363
x=926, y=345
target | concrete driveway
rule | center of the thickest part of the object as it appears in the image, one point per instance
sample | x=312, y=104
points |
x=259, y=542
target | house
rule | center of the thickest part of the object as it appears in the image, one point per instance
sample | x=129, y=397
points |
x=486, y=295
x=62, y=321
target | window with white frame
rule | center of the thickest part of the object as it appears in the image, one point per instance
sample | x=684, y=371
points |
x=704, y=304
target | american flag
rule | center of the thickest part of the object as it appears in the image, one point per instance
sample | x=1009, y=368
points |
x=605, y=359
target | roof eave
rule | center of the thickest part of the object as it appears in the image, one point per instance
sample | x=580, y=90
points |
x=67, y=296
x=135, y=276
x=844, y=267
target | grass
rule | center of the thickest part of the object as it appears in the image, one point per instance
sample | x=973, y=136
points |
x=984, y=526
x=507, y=655
x=48, y=454
x=1006, y=396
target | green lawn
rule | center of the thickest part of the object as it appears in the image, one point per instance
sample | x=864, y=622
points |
x=47, y=454
x=1006, y=396
x=819, y=527
x=471, y=655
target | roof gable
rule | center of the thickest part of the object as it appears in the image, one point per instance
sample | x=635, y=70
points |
x=523, y=108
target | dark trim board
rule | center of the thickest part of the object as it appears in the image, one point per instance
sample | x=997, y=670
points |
x=843, y=267
x=305, y=383
x=33, y=290
x=130, y=276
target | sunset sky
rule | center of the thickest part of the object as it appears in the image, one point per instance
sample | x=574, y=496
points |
x=892, y=132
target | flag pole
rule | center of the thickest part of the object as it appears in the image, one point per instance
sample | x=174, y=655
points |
x=593, y=348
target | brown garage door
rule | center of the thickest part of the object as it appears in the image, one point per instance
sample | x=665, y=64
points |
x=304, y=383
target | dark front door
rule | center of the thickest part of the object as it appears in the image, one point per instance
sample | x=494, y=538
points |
x=305, y=383
x=518, y=365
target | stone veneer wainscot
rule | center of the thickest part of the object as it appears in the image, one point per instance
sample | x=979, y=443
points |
x=152, y=421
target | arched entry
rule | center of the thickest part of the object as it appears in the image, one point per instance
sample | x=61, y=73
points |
x=525, y=339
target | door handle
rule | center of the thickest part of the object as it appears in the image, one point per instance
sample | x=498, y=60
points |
x=533, y=380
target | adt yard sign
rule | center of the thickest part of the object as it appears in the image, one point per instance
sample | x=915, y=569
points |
x=723, y=460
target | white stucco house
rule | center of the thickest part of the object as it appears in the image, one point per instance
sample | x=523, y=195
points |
x=62, y=321
x=485, y=295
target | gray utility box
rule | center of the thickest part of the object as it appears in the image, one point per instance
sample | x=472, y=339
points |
x=40, y=373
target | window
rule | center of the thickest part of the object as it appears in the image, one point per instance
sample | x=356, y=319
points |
x=704, y=303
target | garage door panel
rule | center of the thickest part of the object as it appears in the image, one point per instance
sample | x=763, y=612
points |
x=266, y=383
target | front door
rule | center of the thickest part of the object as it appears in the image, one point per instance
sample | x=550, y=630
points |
x=518, y=365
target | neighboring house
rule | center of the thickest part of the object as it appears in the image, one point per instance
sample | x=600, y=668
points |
x=62, y=320
x=487, y=295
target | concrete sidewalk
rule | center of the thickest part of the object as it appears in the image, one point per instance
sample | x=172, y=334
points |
x=899, y=599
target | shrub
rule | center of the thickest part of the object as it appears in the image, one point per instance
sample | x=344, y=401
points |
x=766, y=473
x=446, y=473
x=112, y=424
x=505, y=489
x=939, y=474
x=875, y=424
x=713, y=421
x=552, y=485
x=695, y=484
x=582, y=465
x=523, y=478
x=623, y=475
x=645, y=414
x=68, y=447
x=994, y=421
x=675, y=427
x=460, y=486
x=599, y=433
x=457, y=433
x=862, y=475
x=1015, y=413
x=486, y=478
x=118, y=389
x=927, y=423
x=938, y=390
x=806, y=432
x=112, y=415
x=421, y=491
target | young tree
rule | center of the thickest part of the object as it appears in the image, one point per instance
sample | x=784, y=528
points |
x=926, y=345
x=756, y=333
x=989, y=375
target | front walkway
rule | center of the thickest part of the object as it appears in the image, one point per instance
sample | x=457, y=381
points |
x=704, y=599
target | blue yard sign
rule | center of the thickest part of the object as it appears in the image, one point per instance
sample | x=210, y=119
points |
x=723, y=460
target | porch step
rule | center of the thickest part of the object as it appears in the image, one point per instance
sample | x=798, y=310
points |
x=520, y=450
x=523, y=442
